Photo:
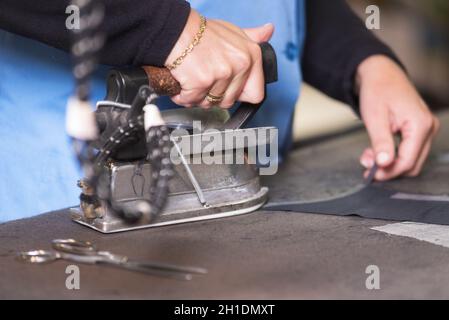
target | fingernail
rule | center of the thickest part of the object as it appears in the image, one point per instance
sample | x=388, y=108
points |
x=367, y=163
x=382, y=158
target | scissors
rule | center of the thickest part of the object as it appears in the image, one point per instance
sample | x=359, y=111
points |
x=85, y=252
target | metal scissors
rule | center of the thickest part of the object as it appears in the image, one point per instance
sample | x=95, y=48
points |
x=85, y=252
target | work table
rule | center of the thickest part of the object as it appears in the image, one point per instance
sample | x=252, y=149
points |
x=258, y=255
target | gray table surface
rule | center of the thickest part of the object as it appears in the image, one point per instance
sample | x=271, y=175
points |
x=259, y=255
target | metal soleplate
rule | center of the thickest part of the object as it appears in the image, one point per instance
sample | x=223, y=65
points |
x=111, y=224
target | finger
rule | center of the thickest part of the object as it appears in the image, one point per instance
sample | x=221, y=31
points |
x=378, y=124
x=414, y=137
x=234, y=90
x=254, y=88
x=177, y=100
x=367, y=159
x=260, y=34
x=218, y=89
x=189, y=98
x=426, y=150
x=421, y=160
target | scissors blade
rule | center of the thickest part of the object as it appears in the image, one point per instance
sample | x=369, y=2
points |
x=154, y=272
x=169, y=267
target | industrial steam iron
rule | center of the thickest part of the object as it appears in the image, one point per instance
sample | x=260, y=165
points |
x=140, y=185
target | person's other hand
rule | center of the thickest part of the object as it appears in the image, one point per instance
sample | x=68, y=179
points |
x=227, y=62
x=389, y=105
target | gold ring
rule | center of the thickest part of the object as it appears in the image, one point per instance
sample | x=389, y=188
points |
x=213, y=99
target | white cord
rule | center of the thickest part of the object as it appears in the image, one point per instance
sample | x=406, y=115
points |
x=80, y=120
x=152, y=116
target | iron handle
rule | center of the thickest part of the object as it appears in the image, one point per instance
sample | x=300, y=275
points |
x=163, y=83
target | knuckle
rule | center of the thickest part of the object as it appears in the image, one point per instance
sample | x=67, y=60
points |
x=256, y=97
x=203, y=80
x=256, y=55
x=243, y=62
x=428, y=123
x=224, y=72
x=256, y=51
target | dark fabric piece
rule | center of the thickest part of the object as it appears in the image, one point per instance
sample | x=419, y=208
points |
x=337, y=41
x=140, y=32
x=374, y=202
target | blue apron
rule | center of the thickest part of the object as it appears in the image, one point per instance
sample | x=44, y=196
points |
x=38, y=172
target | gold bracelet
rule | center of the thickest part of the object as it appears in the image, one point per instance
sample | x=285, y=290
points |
x=190, y=48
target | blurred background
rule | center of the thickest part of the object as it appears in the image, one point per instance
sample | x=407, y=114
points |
x=418, y=31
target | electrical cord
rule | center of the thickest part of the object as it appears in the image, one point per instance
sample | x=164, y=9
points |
x=82, y=127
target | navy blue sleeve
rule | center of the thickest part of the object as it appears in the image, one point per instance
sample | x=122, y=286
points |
x=139, y=32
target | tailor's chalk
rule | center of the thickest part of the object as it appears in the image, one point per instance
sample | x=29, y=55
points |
x=372, y=173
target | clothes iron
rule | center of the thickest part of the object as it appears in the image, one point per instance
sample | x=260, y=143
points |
x=196, y=191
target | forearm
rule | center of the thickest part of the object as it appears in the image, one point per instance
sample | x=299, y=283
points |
x=337, y=43
x=139, y=32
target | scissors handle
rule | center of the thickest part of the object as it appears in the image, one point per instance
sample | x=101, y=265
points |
x=37, y=256
x=74, y=246
x=85, y=252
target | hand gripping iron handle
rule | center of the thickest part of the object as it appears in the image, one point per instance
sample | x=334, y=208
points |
x=163, y=83
x=123, y=85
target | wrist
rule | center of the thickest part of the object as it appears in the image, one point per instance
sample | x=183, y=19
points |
x=372, y=69
x=186, y=37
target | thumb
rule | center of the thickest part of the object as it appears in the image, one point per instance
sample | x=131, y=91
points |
x=260, y=34
x=382, y=140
